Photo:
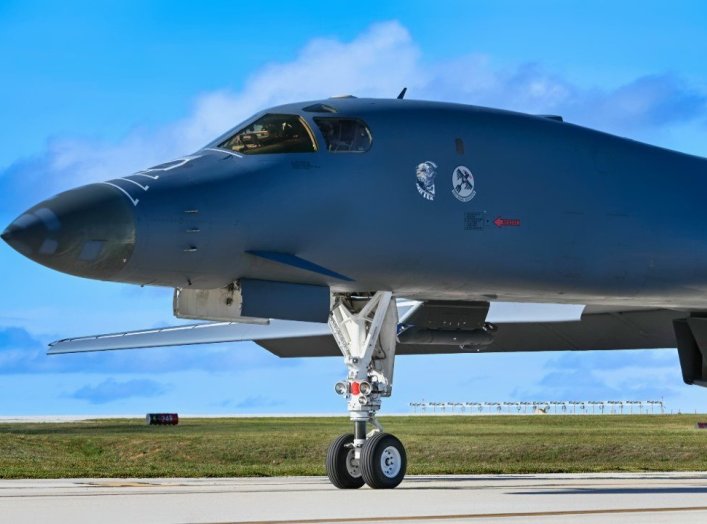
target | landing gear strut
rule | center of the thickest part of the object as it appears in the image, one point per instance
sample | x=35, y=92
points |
x=365, y=329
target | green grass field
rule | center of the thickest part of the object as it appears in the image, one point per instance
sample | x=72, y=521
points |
x=297, y=446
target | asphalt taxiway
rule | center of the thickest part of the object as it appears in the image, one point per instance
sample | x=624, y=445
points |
x=584, y=498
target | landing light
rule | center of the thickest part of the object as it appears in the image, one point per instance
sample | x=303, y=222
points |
x=341, y=388
x=365, y=388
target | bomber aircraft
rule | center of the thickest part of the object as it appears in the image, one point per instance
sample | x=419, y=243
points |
x=373, y=227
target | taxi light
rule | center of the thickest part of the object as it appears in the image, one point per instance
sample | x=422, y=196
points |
x=341, y=388
x=365, y=388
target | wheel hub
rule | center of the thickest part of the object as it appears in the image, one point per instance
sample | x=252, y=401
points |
x=352, y=464
x=390, y=462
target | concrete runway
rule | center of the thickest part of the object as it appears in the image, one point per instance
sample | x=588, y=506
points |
x=585, y=498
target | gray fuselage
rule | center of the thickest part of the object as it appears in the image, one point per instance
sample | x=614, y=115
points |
x=559, y=213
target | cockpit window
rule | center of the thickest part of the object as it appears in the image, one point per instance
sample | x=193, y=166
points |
x=345, y=134
x=272, y=133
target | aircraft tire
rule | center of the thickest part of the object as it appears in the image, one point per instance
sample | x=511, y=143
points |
x=339, y=467
x=383, y=461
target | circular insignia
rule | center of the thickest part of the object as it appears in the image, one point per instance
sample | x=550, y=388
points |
x=425, y=179
x=463, y=184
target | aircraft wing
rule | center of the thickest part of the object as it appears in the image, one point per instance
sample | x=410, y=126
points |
x=526, y=327
x=204, y=333
x=207, y=333
x=607, y=328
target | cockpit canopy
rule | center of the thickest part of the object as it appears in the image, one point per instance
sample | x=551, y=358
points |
x=273, y=133
x=281, y=133
x=345, y=134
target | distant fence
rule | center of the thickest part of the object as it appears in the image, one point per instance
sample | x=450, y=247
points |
x=559, y=407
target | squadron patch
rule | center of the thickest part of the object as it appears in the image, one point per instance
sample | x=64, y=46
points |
x=426, y=172
x=463, y=184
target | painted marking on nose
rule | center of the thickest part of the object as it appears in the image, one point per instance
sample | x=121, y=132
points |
x=144, y=188
x=151, y=177
x=134, y=201
x=174, y=164
x=232, y=153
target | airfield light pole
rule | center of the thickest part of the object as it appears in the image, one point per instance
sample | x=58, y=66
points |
x=472, y=405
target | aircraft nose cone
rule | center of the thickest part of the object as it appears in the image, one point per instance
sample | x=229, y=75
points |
x=88, y=231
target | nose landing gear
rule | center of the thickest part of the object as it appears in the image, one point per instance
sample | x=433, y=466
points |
x=365, y=329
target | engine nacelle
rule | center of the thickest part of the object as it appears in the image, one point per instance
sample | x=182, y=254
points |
x=691, y=335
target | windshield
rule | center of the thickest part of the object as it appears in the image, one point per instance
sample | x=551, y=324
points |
x=349, y=135
x=272, y=133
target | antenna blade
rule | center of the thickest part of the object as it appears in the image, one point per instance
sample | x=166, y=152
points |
x=402, y=93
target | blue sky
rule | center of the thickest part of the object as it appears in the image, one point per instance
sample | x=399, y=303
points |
x=96, y=90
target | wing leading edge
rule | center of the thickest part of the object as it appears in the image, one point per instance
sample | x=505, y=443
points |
x=207, y=333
